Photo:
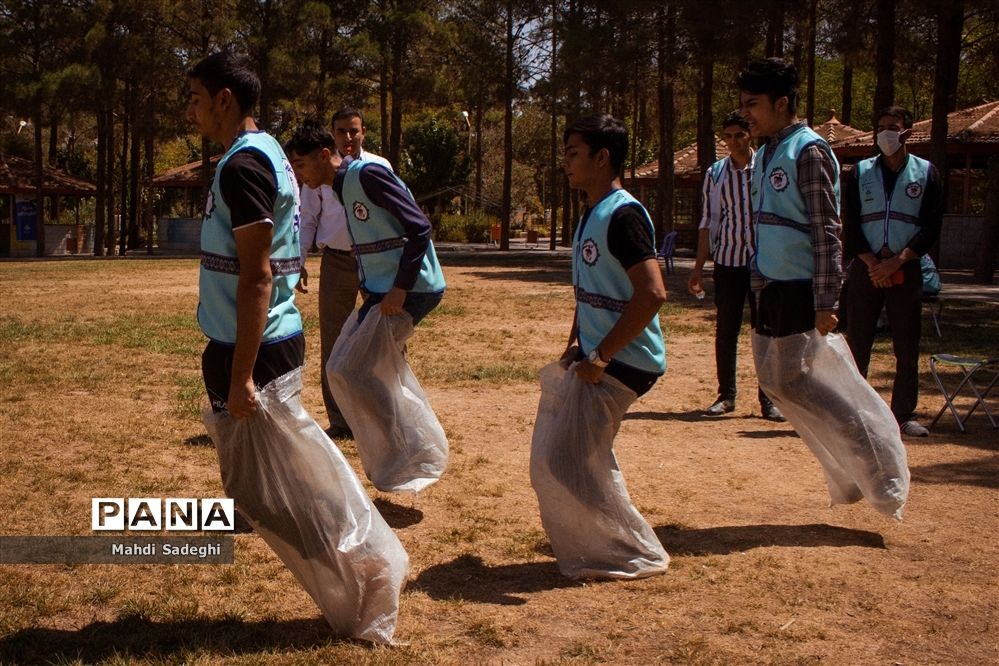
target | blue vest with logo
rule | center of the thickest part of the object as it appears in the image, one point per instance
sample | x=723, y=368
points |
x=603, y=289
x=891, y=219
x=783, y=234
x=378, y=238
x=220, y=261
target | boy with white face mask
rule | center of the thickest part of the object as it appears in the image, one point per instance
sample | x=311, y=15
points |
x=892, y=213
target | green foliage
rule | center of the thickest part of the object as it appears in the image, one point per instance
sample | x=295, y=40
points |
x=435, y=157
x=471, y=228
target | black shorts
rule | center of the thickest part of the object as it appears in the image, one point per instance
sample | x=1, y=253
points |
x=273, y=360
x=637, y=380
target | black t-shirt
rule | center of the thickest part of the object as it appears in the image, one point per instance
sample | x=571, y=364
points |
x=249, y=187
x=629, y=236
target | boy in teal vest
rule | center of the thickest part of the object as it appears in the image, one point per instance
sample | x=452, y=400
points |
x=892, y=214
x=390, y=235
x=250, y=254
x=615, y=332
x=796, y=266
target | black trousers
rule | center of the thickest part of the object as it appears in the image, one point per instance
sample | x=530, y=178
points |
x=903, y=304
x=732, y=288
x=786, y=308
x=273, y=360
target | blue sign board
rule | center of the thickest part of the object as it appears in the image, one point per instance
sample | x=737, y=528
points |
x=27, y=220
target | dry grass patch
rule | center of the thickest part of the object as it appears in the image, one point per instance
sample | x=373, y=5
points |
x=100, y=395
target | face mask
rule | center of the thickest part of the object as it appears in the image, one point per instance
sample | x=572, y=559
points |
x=888, y=142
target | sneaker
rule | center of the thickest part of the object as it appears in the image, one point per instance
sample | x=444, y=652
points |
x=771, y=413
x=720, y=407
x=912, y=428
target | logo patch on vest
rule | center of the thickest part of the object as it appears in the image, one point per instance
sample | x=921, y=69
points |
x=590, y=252
x=209, y=203
x=360, y=211
x=913, y=190
x=779, y=179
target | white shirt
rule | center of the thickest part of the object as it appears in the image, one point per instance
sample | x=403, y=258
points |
x=324, y=219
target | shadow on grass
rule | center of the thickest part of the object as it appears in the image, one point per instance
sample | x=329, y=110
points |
x=737, y=538
x=140, y=638
x=199, y=440
x=690, y=417
x=983, y=472
x=553, y=276
x=767, y=434
x=397, y=516
x=468, y=578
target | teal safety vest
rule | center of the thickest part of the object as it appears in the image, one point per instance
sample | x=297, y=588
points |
x=603, y=289
x=891, y=218
x=220, y=262
x=782, y=231
x=378, y=238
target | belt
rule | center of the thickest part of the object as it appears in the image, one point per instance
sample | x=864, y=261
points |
x=343, y=253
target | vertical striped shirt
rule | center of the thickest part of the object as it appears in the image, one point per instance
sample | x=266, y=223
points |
x=726, y=211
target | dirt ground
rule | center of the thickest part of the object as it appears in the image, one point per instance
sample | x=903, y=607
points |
x=99, y=388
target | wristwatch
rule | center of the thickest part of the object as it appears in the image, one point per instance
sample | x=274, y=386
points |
x=595, y=359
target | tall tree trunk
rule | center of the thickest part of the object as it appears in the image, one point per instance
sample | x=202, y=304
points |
x=112, y=237
x=149, y=164
x=395, y=134
x=666, y=40
x=39, y=180
x=884, y=59
x=101, y=195
x=985, y=267
x=553, y=133
x=383, y=95
x=705, y=116
x=134, y=229
x=123, y=206
x=508, y=83
x=810, y=62
x=847, y=111
x=775, y=30
x=950, y=24
x=478, y=153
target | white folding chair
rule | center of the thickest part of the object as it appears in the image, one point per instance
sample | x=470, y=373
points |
x=985, y=370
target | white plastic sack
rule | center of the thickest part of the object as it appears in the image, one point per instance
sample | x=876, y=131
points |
x=301, y=496
x=815, y=383
x=585, y=509
x=401, y=443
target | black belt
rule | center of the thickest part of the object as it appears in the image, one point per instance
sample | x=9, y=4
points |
x=344, y=253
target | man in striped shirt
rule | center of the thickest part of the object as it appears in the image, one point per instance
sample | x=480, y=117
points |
x=725, y=234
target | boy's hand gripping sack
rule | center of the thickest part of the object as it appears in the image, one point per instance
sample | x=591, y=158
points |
x=301, y=496
x=401, y=443
x=593, y=528
x=815, y=383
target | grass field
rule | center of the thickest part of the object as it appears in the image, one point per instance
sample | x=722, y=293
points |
x=100, y=396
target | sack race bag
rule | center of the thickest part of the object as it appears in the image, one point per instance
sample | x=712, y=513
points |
x=815, y=383
x=299, y=493
x=401, y=443
x=585, y=509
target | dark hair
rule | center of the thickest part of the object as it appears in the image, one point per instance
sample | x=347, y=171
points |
x=774, y=77
x=899, y=112
x=225, y=69
x=311, y=135
x=346, y=113
x=735, y=118
x=601, y=131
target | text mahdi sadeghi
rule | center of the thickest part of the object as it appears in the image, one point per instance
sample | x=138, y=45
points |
x=173, y=514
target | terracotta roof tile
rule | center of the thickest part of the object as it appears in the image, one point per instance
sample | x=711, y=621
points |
x=17, y=176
